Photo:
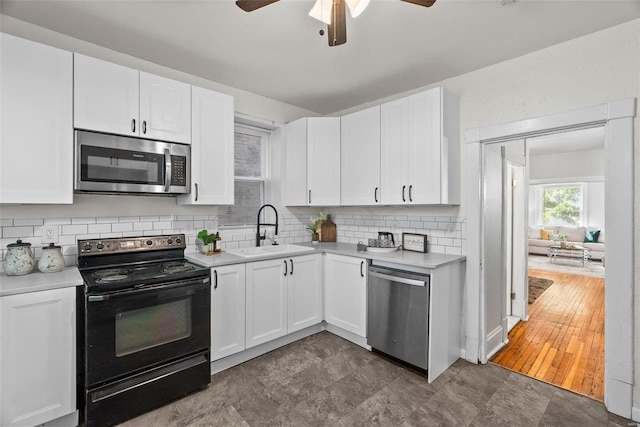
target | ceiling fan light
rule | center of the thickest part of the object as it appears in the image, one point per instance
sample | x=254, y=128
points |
x=321, y=11
x=356, y=7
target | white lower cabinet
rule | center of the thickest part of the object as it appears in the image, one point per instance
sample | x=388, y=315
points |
x=37, y=357
x=304, y=291
x=266, y=302
x=345, y=293
x=227, y=310
x=283, y=296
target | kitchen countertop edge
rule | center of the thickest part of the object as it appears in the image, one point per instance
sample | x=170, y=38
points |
x=37, y=281
x=410, y=258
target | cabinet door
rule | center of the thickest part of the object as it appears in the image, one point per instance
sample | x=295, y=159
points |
x=36, y=155
x=295, y=166
x=165, y=109
x=304, y=292
x=105, y=96
x=38, y=353
x=360, y=158
x=424, y=156
x=323, y=161
x=266, y=303
x=212, y=173
x=346, y=293
x=394, y=137
x=227, y=310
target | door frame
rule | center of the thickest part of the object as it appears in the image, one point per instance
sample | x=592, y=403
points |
x=617, y=117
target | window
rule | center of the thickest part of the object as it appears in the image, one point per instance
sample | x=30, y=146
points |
x=250, y=148
x=562, y=204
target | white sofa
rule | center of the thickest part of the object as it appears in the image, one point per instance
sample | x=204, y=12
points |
x=575, y=235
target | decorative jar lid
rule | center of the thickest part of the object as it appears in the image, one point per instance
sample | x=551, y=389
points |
x=18, y=244
x=51, y=246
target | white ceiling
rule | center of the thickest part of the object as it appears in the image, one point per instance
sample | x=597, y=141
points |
x=568, y=142
x=277, y=52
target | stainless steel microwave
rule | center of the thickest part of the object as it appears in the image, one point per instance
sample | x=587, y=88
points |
x=119, y=164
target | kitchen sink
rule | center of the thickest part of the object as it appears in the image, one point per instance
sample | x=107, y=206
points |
x=287, y=249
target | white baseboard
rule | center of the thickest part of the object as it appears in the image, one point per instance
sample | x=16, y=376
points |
x=635, y=414
x=494, y=342
x=349, y=336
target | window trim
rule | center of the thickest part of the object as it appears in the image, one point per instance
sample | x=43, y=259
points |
x=583, y=199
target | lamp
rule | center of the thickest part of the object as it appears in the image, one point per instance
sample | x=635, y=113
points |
x=321, y=10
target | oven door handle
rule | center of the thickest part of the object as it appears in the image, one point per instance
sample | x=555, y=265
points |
x=143, y=289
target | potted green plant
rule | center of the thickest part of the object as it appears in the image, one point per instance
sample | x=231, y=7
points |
x=208, y=242
x=314, y=226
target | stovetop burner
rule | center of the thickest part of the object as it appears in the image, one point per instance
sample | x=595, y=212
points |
x=177, y=267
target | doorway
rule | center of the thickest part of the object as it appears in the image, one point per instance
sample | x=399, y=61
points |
x=618, y=120
x=561, y=340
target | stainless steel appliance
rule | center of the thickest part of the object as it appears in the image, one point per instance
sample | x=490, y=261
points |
x=120, y=164
x=144, y=331
x=398, y=313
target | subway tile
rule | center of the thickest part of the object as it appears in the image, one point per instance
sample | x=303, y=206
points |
x=453, y=251
x=141, y=226
x=183, y=218
x=416, y=224
x=6, y=222
x=152, y=233
x=99, y=228
x=22, y=232
x=67, y=239
x=443, y=241
x=83, y=220
x=87, y=236
x=444, y=219
x=107, y=219
x=128, y=218
x=121, y=227
x=161, y=225
x=75, y=229
x=165, y=218
x=149, y=218
x=110, y=235
x=27, y=222
x=131, y=233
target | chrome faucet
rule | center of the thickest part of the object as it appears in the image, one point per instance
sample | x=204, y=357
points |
x=258, y=236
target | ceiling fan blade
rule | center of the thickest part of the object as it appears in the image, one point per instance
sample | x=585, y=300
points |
x=425, y=3
x=251, y=5
x=337, y=30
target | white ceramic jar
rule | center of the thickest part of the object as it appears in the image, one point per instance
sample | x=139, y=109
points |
x=52, y=260
x=19, y=260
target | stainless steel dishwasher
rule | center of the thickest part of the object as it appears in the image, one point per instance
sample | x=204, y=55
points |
x=398, y=314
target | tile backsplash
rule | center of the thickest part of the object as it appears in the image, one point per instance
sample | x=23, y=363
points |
x=445, y=234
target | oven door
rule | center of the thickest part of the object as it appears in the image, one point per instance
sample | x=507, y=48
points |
x=110, y=163
x=137, y=329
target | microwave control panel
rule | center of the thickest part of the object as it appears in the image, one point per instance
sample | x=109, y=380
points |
x=179, y=171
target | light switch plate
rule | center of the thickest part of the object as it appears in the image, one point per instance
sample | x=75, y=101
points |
x=49, y=233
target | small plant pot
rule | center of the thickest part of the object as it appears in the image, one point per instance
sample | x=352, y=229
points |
x=315, y=238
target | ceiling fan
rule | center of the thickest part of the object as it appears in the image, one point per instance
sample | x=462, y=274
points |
x=331, y=12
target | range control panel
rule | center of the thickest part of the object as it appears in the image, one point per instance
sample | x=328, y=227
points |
x=131, y=244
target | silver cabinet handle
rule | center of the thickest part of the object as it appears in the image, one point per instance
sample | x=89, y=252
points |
x=410, y=196
x=215, y=279
x=196, y=184
x=133, y=125
x=403, y=188
x=285, y=267
x=291, y=261
x=144, y=126
x=167, y=170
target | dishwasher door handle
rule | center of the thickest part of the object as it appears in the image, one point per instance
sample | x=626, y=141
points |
x=398, y=279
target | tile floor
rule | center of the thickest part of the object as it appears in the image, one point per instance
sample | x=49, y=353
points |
x=325, y=380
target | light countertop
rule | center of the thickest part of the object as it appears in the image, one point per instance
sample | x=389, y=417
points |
x=415, y=259
x=37, y=281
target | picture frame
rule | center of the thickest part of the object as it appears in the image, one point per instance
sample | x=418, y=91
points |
x=414, y=242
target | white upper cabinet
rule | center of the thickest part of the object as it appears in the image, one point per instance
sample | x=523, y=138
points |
x=360, y=158
x=312, y=164
x=105, y=97
x=120, y=100
x=420, y=148
x=212, y=167
x=36, y=154
x=165, y=109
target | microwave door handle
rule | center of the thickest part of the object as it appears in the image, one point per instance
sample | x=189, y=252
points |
x=167, y=170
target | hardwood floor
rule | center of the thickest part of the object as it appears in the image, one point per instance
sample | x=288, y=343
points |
x=563, y=341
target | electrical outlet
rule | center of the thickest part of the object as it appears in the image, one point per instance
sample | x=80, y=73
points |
x=49, y=233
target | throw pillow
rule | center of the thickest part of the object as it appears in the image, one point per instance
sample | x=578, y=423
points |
x=591, y=236
x=534, y=233
x=544, y=233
